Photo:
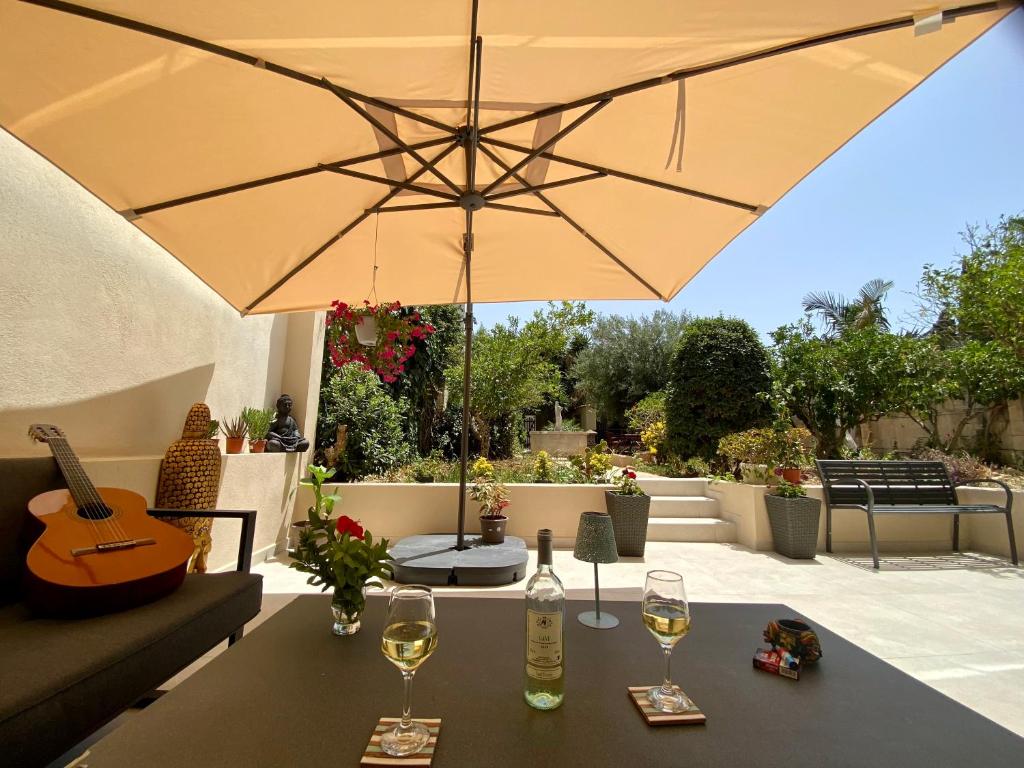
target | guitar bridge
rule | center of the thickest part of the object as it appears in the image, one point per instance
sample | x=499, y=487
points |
x=111, y=546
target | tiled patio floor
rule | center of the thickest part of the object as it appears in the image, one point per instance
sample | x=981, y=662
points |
x=956, y=624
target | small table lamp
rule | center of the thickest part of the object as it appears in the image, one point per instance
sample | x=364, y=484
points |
x=595, y=543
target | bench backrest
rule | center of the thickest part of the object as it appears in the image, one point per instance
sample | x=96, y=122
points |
x=893, y=482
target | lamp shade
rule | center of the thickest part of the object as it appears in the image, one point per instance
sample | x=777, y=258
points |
x=595, y=539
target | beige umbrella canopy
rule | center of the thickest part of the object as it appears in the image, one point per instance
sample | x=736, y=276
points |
x=257, y=141
x=290, y=154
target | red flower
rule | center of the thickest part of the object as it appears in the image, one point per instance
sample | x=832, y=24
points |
x=630, y=474
x=347, y=525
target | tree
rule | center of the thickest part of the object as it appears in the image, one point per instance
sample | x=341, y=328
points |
x=510, y=374
x=627, y=359
x=834, y=384
x=718, y=383
x=838, y=314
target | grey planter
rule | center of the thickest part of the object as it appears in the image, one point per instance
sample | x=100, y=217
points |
x=794, y=525
x=629, y=521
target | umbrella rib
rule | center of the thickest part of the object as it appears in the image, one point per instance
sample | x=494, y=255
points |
x=549, y=143
x=228, y=53
x=399, y=185
x=134, y=213
x=749, y=207
x=348, y=228
x=521, y=209
x=747, y=58
x=387, y=132
x=414, y=207
x=547, y=185
x=572, y=222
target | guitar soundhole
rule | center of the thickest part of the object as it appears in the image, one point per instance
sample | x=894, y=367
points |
x=95, y=511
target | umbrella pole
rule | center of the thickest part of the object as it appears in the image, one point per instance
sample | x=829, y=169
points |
x=467, y=250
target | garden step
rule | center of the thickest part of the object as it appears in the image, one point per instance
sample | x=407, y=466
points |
x=673, y=486
x=691, y=529
x=683, y=506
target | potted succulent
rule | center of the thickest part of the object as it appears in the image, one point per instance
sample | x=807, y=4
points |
x=213, y=430
x=234, y=431
x=339, y=554
x=629, y=508
x=492, y=497
x=794, y=518
x=257, y=421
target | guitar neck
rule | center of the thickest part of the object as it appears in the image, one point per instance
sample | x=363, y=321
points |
x=81, y=487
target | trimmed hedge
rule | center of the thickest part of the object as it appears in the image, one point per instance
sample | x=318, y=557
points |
x=719, y=371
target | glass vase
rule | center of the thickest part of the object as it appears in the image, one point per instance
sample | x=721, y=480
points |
x=346, y=616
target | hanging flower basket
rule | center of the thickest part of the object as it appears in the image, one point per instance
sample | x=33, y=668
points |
x=379, y=337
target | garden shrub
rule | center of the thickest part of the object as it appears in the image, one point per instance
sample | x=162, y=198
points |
x=376, y=424
x=719, y=379
x=962, y=467
x=648, y=411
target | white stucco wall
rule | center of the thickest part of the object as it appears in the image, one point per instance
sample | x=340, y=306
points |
x=106, y=335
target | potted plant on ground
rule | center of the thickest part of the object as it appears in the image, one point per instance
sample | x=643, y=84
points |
x=340, y=555
x=257, y=421
x=492, y=497
x=629, y=507
x=234, y=431
x=794, y=518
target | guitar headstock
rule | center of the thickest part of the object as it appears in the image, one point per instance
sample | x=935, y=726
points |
x=44, y=433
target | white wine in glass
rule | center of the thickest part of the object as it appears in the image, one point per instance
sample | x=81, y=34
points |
x=409, y=637
x=666, y=614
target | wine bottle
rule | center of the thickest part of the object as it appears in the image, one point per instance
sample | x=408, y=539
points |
x=545, y=614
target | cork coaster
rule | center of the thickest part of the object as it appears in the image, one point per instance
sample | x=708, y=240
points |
x=374, y=755
x=638, y=694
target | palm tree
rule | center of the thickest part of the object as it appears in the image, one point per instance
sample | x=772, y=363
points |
x=838, y=313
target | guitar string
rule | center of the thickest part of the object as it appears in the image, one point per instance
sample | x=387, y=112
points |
x=114, y=528
x=58, y=453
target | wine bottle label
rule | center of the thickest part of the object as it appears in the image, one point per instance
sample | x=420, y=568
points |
x=544, y=645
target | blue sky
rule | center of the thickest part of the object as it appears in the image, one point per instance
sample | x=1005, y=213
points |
x=893, y=199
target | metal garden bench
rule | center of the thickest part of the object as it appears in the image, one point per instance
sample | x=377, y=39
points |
x=901, y=487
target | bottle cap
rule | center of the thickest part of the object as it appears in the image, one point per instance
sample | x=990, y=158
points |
x=544, y=546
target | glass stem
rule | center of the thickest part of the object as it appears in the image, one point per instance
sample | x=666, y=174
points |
x=666, y=687
x=407, y=701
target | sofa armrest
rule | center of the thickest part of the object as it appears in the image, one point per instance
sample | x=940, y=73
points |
x=247, y=516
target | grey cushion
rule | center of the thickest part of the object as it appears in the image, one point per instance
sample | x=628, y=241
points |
x=62, y=679
x=20, y=480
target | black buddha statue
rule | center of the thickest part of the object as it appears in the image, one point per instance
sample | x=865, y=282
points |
x=284, y=435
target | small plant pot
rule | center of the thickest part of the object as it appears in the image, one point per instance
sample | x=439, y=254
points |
x=492, y=529
x=366, y=331
x=794, y=524
x=234, y=444
x=257, y=446
x=792, y=475
x=629, y=522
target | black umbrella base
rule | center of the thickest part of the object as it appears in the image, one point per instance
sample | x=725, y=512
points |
x=433, y=560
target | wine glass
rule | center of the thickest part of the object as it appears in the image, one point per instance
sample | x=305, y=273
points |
x=667, y=615
x=410, y=636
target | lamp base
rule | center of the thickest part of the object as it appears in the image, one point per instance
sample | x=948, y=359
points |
x=594, y=621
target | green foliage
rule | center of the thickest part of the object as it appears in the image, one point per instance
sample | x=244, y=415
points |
x=212, y=429
x=344, y=562
x=625, y=482
x=235, y=427
x=491, y=495
x=258, y=421
x=720, y=372
x=376, y=422
x=838, y=314
x=961, y=466
x=428, y=469
x=628, y=359
x=649, y=411
x=594, y=464
x=789, y=490
x=832, y=385
x=543, y=470
x=481, y=468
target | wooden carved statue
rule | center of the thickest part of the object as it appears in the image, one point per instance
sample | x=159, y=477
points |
x=190, y=479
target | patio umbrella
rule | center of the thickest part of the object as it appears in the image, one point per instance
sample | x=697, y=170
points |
x=450, y=152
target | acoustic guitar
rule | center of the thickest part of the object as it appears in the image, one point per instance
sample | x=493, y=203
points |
x=100, y=551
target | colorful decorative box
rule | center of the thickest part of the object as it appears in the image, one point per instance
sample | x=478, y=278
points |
x=778, y=662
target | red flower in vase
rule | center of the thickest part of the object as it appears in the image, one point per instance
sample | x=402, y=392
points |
x=347, y=525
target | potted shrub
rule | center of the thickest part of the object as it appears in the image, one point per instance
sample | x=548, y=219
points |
x=629, y=507
x=543, y=469
x=379, y=337
x=492, y=497
x=257, y=421
x=234, y=431
x=794, y=449
x=794, y=518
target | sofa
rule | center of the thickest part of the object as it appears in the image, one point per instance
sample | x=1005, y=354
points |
x=61, y=679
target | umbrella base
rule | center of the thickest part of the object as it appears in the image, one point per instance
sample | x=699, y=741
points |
x=434, y=561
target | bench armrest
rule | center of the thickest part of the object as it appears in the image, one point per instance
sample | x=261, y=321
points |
x=1006, y=489
x=245, y=541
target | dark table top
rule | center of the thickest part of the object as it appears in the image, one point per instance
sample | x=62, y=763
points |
x=291, y=694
